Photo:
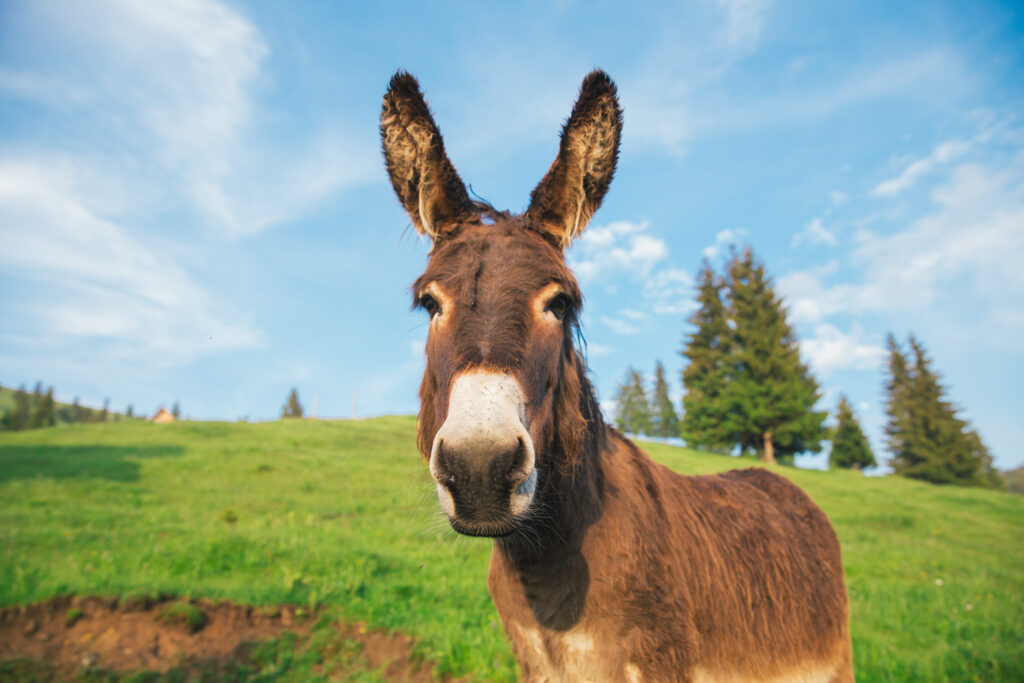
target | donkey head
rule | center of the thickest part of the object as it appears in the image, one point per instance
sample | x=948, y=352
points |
x=502, y=399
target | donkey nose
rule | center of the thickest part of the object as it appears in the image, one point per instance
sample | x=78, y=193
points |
x=487, y=464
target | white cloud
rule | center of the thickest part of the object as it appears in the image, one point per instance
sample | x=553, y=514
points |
x=814, y=233
x=620, y=326
x=944, y=153
x=174, y=85
x=721, y=239
x=830, y=349
x=838, y=198
x=670, y=292
x=744, y=20
x=619, y=247
x=965, y=253
x=97, y=282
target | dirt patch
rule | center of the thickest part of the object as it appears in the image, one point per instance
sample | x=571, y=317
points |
x=65, y=636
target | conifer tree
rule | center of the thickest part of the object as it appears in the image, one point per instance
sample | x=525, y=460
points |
x=850, y=448
x=632, y=413
x=17, y=418
x=46, y=413
x=927, y=439
x=129, y=411
x=770, y=393
x=666, y=422
x=176, y=411
x=292, y=408
x=706, y=374
x=106, y=410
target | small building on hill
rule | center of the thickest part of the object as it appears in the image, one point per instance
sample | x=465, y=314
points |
x=163, y=416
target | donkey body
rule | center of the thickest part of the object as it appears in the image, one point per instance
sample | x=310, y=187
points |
x=606, y=566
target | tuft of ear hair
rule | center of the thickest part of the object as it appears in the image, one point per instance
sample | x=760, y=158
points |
x=422, y=175
x=568, y=196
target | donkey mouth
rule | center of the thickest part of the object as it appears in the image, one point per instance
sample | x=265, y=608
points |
x=484, y=530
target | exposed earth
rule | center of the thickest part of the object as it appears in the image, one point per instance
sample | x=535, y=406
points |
x=67, y=637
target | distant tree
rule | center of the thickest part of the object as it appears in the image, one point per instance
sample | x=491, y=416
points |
x=46, y=412
x=769, y=391
x=17, y=418
x=632, y=413
x=129, y=412
x=927, y=439
x=292, y=408
x=706, y=374
x=1015, y=480
x=850, y=448
x=663, y=413
x=106, y=410
x=176, y=411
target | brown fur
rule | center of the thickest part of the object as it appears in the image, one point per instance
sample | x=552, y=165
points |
x=622, y=569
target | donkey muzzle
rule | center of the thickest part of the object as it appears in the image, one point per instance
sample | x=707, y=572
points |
x=482, y=457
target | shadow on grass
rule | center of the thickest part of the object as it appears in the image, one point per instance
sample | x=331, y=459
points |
x=114, y=463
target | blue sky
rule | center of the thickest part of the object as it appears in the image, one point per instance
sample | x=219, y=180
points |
x=193, y=205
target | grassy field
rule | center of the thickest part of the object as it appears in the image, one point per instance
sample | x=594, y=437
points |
x=341, y=515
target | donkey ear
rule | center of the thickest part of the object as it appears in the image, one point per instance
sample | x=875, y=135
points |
x=565, y=200
x=424, y=179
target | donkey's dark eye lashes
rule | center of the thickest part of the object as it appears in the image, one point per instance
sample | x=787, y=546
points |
x=559, y=306
x=430, y=305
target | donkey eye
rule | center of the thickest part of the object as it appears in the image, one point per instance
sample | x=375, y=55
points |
x=559, y=306
x=430, y=305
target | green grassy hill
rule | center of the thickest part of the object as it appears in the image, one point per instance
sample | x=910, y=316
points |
x=343, y=514
x=63, y=412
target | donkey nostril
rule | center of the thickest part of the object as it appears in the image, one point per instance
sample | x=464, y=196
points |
x=516, y=472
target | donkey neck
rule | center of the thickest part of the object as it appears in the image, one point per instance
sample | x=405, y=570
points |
x=545, y=557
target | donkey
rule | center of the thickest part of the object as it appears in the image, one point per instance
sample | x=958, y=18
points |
x=606, y=566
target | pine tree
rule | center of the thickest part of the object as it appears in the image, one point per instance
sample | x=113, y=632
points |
x=706, y=374
x=632, y=414
x=17, y=418
x=850, y=448
x=129, y=411
x=770, y=393
x=46, y=414
x=927, y=439
x=666, y=422
x=34, y=420
x=176, y=411
x=106, y=410
x=292, y=408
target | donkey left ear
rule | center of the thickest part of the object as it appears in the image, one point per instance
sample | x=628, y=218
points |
x=565, y=200
x=421, y=173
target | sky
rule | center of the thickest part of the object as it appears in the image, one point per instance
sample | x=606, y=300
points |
x=193, y=205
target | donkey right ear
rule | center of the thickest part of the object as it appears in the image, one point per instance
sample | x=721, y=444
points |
x=424, y=179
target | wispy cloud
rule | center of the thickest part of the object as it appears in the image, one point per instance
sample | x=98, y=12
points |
x=175, y=85
x=620, y=326
x=744, y=20
x=964, y=251
x=946, y=152
x=670, y=292
x=814, y=233
x=96, y=282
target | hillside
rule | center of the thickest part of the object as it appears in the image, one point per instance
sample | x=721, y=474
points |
x=63, y=412
x=343, y=515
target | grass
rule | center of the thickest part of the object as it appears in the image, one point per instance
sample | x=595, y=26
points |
x=183, y=615
x=342, y=515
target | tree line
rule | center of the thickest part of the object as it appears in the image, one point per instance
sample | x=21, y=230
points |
x=38, y=409
x=747, y=390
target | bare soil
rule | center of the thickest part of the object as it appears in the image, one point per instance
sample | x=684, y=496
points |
x=66, y=636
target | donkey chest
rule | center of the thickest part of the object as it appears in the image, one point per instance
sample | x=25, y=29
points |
x=574, y=655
